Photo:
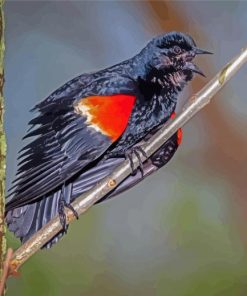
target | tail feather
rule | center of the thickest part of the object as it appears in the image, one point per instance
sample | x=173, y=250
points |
x=20, y=220
x=27, y=220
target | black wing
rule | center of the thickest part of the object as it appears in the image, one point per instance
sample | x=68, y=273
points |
x=64, y=144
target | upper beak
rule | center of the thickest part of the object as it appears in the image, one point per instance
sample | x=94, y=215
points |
x=201, y=51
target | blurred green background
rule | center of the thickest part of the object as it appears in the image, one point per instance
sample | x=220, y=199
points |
x=182, y=232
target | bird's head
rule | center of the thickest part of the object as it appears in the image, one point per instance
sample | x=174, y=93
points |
x=169, y=58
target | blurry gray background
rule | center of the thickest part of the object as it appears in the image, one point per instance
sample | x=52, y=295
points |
x=183, y=230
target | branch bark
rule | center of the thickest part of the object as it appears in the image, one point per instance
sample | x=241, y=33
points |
x=5, y=271
x=2, y=145
x=88, y=199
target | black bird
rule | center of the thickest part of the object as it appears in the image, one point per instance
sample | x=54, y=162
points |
x=89, y=125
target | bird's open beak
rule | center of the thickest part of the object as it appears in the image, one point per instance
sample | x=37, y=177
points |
x=192, y=67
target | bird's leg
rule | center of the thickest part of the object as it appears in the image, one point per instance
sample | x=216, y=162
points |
x=61, y=213
x=62, y=204
x=137, y=151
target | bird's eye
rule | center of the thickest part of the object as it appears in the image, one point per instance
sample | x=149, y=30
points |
x=177, y=49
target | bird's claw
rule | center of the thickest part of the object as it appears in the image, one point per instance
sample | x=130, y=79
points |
x=137, y=151
x=61, y=206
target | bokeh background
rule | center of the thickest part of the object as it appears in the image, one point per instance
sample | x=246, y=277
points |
x=182, y=231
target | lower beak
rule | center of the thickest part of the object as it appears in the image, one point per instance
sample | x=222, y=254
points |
x=194, y=68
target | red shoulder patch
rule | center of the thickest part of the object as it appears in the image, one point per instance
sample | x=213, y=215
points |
x=179, y=132
x=173, y=115
x=107, y=114
x=179, y=136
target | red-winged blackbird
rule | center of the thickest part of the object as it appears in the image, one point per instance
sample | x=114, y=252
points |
x=90, y=124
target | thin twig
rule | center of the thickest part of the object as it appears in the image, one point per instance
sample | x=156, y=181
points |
x=86, y=200
x=6, y=269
